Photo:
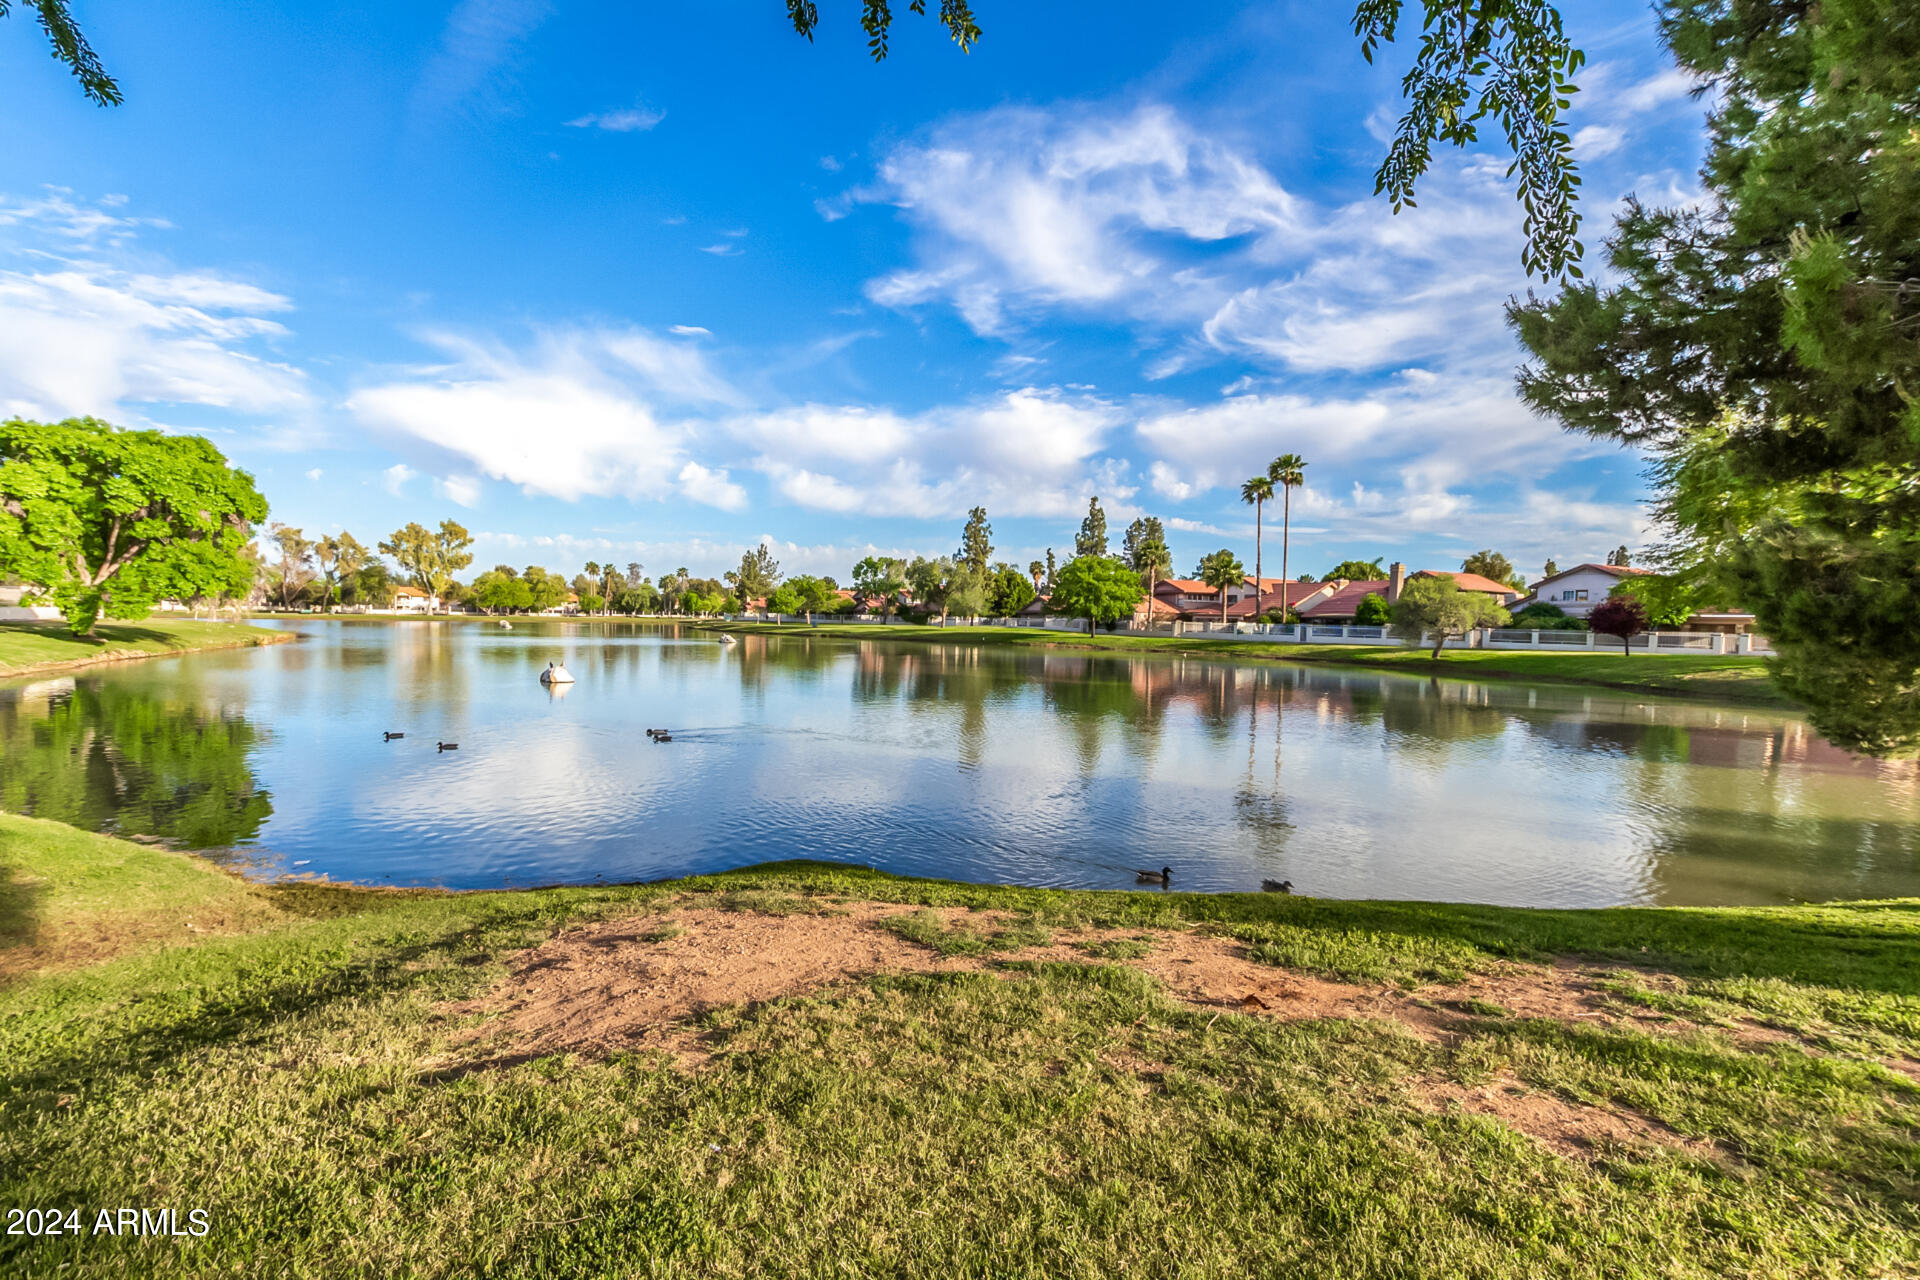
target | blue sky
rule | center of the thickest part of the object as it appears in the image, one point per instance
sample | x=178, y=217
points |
x=660, y=282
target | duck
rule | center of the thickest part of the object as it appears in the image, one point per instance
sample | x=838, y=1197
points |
x=448, y=746
x=1276, y=886
x=389, y=737
x=1163, y=876
x=663, y=737
x=657, y=733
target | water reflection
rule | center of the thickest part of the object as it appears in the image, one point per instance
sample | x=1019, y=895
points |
x=98, y=755
x=937, y=758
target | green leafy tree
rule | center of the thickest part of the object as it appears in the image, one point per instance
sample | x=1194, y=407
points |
x=976, y=543
x=1355, y=571
x=430, y=557
x=1494, y=566
x=1373, y=609
x=1010, y=592
x=1541, y=616
x=71, y=48
x=373, y=585
x=1220, y=571
x=1437, y=608
x=1098, y=588
x=295, y=570
x=1092, y=540
x=929, y=580
x=881, y=578
x=812, y=595
x=1289, y=471
x=1668, y=599
x=339, y=557
x=1256, y=493
x=1620, y=616
x=967, y=594
x=108, y=521
x=757, y=576
x=592, y=603
x=1761, y=348
x=785, y=599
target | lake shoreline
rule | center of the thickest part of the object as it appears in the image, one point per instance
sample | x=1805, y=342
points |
x=1731, y=1090
x=121, y=642
x=1740, y=680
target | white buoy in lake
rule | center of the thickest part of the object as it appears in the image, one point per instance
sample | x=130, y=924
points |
x=555, y=674
x=505, y=625
x=727, y=639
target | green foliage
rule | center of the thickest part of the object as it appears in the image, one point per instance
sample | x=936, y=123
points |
x=591, y=603
x=785, y=599
x=1762, y=349
x=1505, y=59
x=108, y=521
x=1667, y=599
x=1493, y=565
x=295, y=569
x=876, y=19
x=881, y=578
x=1372, y=611
x=757, y=575
x=1439, y=609
x=1092, y=540
x=431, y=557
x=976, y=542
x=811, y=595
x=1097, y=588
x=71, y=48
x=1541, y=616
x=1355, y=571
x=1009, y=592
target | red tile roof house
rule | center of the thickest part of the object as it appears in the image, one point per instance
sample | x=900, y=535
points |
x=1195, y=601
x=1339, y=606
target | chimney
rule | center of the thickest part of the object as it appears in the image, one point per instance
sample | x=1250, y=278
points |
x=1396, y=579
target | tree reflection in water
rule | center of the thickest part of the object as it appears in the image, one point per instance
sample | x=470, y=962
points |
x=97, y=754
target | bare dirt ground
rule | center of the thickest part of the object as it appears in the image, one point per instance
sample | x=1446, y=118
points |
x=636, y=983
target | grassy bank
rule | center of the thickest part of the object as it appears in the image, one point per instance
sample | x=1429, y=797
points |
x=29, y=648
x=1730, y=678
x=333, y=1075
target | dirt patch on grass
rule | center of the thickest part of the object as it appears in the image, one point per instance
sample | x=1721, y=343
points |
x=639, y=982
x=1573, y=1129
x=75, y=941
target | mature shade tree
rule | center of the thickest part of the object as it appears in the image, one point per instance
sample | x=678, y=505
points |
x=1668, y=599
x=1220, y=571
x=976, y=543
x=108, y=521
x=1355, y=571
x=1373, y=610
x=1289, y=471
x=1092, y=539
x=430, y=557
x=881, y=578
x=340, y=556
x=1098, y=588
x=1256, y=493
x=1009, y=591
x=968, y=592
x=1761, y=347
x=1620, y=616
x=545, y=590
x=373, y=585
x=812, y=595
x=591, y=603
x=1437, y=608
x=295, y=570
x=930, y=581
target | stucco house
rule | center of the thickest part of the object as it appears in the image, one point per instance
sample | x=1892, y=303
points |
x=410, y=599
x=1577, y=590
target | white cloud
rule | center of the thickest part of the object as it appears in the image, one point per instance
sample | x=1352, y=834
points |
x=706, y=485
x=464, y=490
x=830, y=164
x=635, y=119
x=89, y=334
x=722, y=250
x=396, y=476
x=315, y=473
x=691, y=331
x=581, y=413
x=480, y=38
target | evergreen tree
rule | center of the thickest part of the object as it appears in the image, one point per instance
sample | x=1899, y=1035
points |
x=1093, y=532
x=976, y=543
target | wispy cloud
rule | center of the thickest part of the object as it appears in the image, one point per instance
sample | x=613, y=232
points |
x=479, y=40
x=635, y=119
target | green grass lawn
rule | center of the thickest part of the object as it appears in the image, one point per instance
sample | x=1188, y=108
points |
x=29, y=647
x=300, y=1065
x=1712, y=677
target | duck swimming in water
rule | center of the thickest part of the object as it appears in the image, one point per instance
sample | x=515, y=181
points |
x=449, y=746
x=389, y=737
x=1163, y=876
x=1276, y=886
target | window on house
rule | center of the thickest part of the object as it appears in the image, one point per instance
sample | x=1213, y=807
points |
x=1579, y=595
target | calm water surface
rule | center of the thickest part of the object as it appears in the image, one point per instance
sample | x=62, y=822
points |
x=934, y=759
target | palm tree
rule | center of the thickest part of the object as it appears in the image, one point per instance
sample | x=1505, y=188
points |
x=1257, y=492
x=1287, y=470
x=1221, y=570
x=1036, y=570
x=1153, y=559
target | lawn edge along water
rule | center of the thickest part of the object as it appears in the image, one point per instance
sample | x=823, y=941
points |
x=38, y=648
x=1740, y=679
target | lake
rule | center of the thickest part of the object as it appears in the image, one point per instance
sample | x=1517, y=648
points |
x=1005, y=765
